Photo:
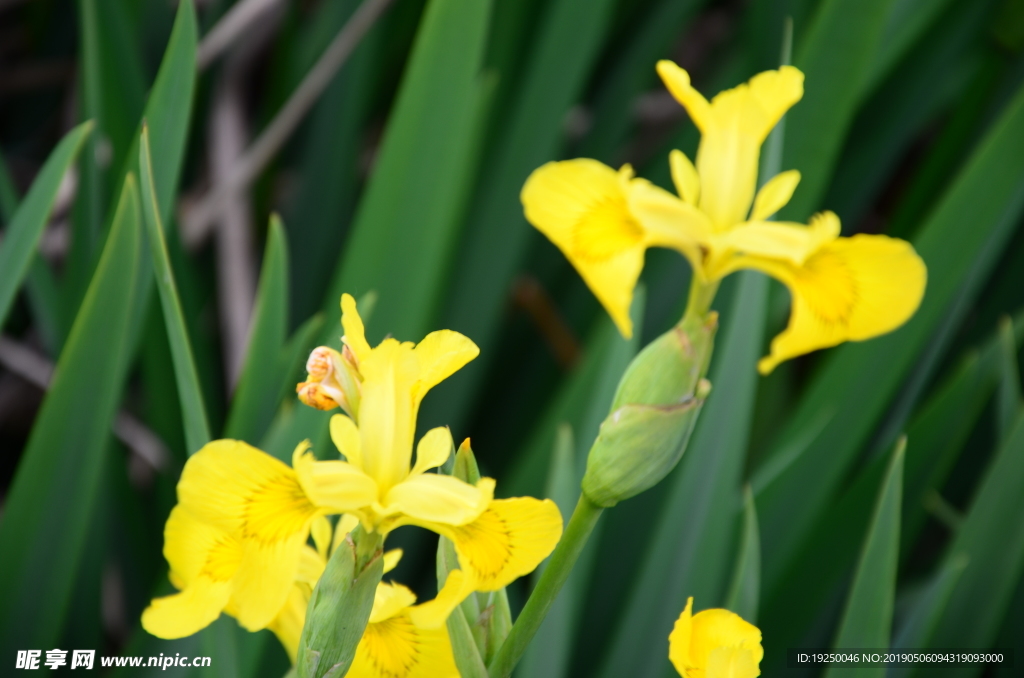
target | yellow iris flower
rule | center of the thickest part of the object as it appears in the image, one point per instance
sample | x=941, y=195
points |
x=392, y=646
x=236, y=539
x=603, y=221
x=714, y=644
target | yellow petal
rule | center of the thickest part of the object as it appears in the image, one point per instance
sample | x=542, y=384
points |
x=580, y=205
x=441, y=354
x=433, y=450
x=774, y=195
x=387, y=415
x=685, y=177
x=264, y=578
x=245, y=492
x=851, y=289
x=336, y=486
x=288, y=623
x=433, y=613
x=355, y=333
x=189, y=611
x=439, y=499
x=507, y=541
x=733, y=126
x=671, y=222
x=345, y=435
x=716, y=629
x=389, y=601
x=391, y=559
x=677, y=81
x=787, y=241
x=397, y=648
x=732, y=662
x=311, y=566
x=679, y=640
x=321, y=530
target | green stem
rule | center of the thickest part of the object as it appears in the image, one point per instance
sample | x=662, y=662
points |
x=581, y=524
x=701, y=296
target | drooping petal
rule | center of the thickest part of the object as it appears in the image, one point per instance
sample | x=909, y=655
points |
x=507, y=541
x=389, y=601
x=345, y=435
x=203, y=562
x=189, y=611
x=774, y=195
x=397, y=648
x=311, y=566
x=334, y=486
x=685, y=177
x=244, y=492
x=288, y=623
x=679, y=640
x=264, y=578
x=441, y=354
x=355, y=333
x=849, y=290
x=434, y=613
x=715, y=630
x=437, y=498
x=433, y=450
x=732, y=662
x=581, y=207
x=391, y=559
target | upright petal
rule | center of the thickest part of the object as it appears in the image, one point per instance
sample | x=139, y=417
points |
x=850, y=289
x=390, y=600
x=685, y=177
x=671, y=222
x=581, y=207
x=355, y=333
x=441, y=354
x=774, y=195
x=733, y=127
x=433, y=450
x=387, y=418
x=345, y=435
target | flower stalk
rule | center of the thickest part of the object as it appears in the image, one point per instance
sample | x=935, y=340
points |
x=577, y=532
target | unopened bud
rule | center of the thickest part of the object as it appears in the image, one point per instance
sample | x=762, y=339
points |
x=332, y=380
x=653, y=413
x=339, y=607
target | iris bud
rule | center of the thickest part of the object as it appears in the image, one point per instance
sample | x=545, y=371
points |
x=340, y=606
x=653, y=413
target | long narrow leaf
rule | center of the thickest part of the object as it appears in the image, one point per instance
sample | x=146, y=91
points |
x=197, y=430
x=26, y=227
x=867, y=620
x=49, y=509
x=745, y=590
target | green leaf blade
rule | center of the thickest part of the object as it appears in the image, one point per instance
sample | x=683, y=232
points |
x=49, y=509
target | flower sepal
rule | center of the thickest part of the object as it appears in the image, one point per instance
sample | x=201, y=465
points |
x=653, y=413
x=340, y=606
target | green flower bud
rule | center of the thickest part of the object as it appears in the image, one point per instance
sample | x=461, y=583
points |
x=340, y=607
x=480, y=624
x=653, y=413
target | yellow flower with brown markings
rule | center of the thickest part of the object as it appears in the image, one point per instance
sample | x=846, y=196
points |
x=604, y=220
